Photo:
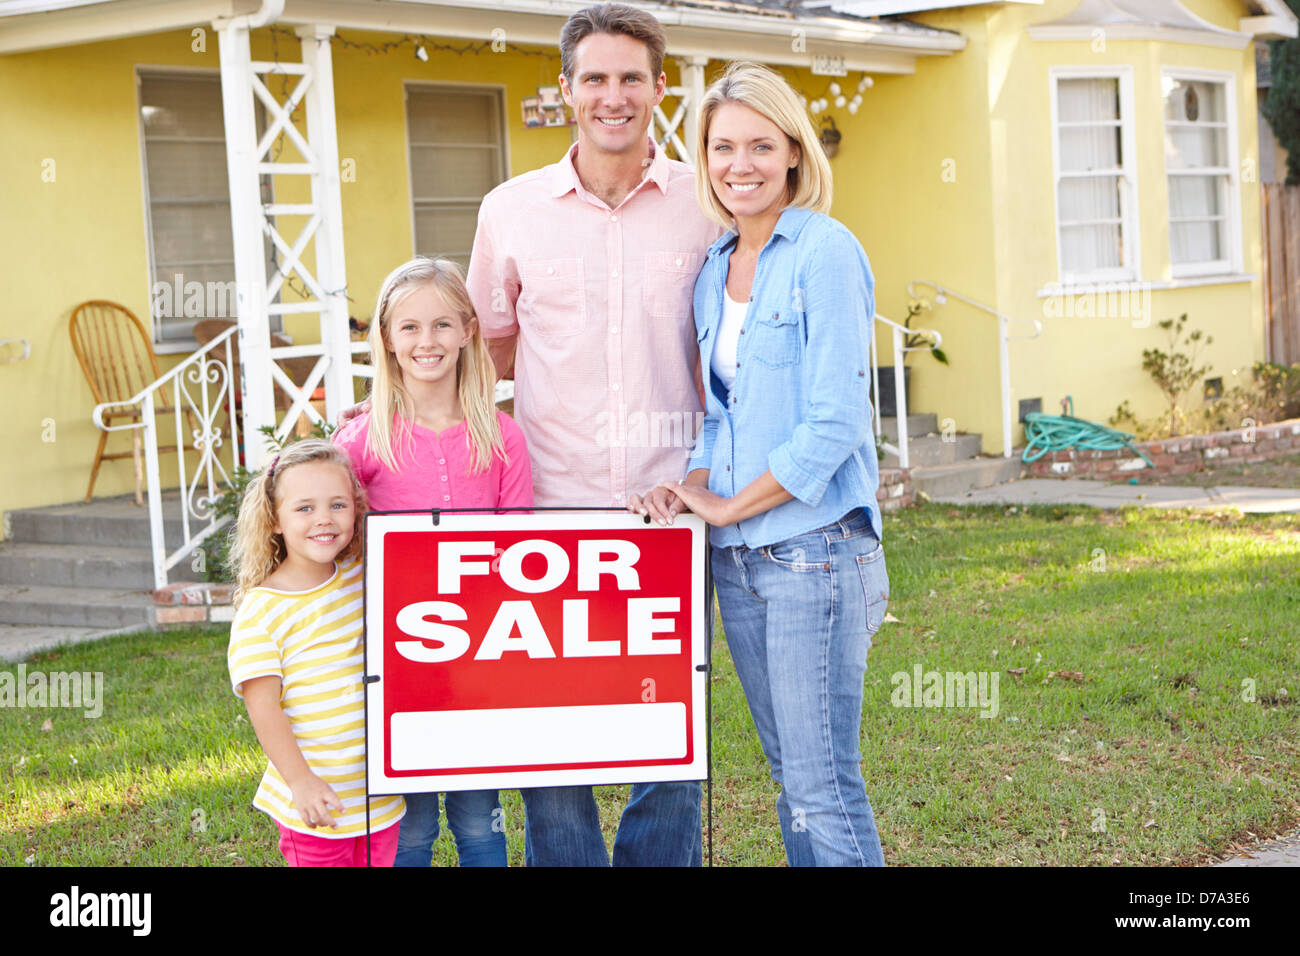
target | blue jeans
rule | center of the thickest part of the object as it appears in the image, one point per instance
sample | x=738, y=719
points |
x=476, y=821
x=799, y=616
x=660, y=827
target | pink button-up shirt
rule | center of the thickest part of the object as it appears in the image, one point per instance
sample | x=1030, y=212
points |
x=606, y=367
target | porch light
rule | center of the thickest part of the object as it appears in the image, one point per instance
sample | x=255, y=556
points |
x=421, y=54
x=830, y=137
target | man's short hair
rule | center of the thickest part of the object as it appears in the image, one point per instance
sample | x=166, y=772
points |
x=614, y=18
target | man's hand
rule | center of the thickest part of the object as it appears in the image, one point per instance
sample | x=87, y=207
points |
x=352, y=411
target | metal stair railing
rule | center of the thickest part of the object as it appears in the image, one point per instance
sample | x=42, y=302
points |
x=941, y=294
x=201, y=386
x=900, y=333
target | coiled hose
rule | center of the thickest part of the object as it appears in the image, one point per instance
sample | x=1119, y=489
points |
x=1044, y=433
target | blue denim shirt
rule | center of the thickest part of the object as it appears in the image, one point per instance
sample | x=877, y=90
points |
x=800, y=403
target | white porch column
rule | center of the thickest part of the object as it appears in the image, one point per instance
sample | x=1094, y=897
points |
x=692, y=68
x=246, y=224
x=331, y=271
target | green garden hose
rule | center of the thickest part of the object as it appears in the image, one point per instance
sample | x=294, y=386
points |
x=1044, y=433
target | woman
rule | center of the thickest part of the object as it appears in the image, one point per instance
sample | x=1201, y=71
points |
x=785, y=468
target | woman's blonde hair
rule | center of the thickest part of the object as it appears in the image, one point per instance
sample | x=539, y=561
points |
x=808, y=185
x=257, y=549
x=475, y=373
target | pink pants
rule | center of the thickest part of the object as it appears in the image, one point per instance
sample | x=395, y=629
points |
x=302, y=849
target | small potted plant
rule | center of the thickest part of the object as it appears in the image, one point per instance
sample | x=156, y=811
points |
x=913, y=340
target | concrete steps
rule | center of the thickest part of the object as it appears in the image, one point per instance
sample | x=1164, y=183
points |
x=51, y=605
x=83, y=565
x=950, y=480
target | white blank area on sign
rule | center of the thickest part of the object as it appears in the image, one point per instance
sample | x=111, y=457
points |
x=537, y=736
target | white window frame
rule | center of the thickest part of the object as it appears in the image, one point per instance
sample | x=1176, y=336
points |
x=1231, y=188
x=425, y=85
x=1130, y=236
x=171, y=346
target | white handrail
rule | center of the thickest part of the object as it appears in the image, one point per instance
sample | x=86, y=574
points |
x=900, y=385
x=205, y=372
x=941, y=294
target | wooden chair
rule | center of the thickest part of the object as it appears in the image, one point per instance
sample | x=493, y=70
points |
x=115, y=353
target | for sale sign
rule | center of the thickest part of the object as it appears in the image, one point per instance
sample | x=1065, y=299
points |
x=534, y=650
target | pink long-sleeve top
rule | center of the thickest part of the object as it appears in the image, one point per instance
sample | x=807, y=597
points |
x=434, y=469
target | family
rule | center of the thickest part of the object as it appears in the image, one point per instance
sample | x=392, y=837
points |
x=583, y=282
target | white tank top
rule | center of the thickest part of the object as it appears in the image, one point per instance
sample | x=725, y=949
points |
x=728, y=340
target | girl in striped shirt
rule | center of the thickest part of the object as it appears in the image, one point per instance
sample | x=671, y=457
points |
x=296, y=657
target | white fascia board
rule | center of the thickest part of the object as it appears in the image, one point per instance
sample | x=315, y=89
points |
x=1270, y=27
x=866, y=47
x=890, y=8
x=1142, y=31
x=61, y=25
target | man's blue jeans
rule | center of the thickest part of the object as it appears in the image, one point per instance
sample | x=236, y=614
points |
x=799, y=616
x=474, y=817
x=660, y=827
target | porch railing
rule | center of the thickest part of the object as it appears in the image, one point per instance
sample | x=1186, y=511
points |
x=900, y=350
x=200, y=389
x=941, y=294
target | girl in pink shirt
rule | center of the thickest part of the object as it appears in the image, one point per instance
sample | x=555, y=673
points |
x=434, y=439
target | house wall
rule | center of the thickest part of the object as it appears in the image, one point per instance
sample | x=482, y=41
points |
x=1012, y=248
x=82, y=235
x=914, y=181
x=945, y=174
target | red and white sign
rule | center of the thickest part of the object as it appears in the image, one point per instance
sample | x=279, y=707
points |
x=530, y=650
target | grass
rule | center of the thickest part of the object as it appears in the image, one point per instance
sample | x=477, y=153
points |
x=1147, y=669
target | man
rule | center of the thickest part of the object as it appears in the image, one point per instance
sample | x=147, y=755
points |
x=582, y=276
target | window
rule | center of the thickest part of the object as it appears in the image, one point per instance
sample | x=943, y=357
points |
x=457, y=141
x=1200, y=166
x=187, y=203
x=1096, y=199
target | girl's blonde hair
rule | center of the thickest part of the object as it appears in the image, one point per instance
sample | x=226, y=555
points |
x=808, y=185
x=257, y=550
x=475, y=372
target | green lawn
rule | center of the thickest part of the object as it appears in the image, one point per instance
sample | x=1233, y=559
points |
x=1147, y=669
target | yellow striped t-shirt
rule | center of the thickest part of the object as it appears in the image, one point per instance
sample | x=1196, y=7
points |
x=311, y=640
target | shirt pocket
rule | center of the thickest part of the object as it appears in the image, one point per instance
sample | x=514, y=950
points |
x=668, y=287
x=774, y=339
x=553, y=296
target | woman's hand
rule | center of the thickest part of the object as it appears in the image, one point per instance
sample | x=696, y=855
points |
x=314, y=798
x=713, y=508
x=659, y=503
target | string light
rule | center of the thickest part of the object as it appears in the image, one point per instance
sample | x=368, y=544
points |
x=836, y=94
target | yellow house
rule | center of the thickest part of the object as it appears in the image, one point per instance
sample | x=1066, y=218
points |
x=1071, y=170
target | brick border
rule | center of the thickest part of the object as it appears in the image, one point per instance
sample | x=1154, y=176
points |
x=1174, y=456
x=894, y=490
x=188, y=602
